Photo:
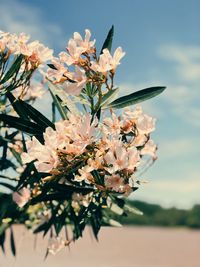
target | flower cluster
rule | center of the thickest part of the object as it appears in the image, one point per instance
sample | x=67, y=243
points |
x=34, y=52
x=113, y=148
x=19, y=58
x=81, y=54
x=80, y=166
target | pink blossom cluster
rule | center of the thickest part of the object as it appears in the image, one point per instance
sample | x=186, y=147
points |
x=114, y=148
x=35, y=52
x=81, y=54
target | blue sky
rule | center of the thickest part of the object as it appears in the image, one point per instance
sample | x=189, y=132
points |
x=162, y=44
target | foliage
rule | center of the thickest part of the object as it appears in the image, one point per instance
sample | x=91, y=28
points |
x=155, y=215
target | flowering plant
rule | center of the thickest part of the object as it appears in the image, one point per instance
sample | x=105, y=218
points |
x=71, y=170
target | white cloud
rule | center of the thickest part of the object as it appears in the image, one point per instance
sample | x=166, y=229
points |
x=178, y=148
x=17, y=17
x=184, y=93
x=187, y=59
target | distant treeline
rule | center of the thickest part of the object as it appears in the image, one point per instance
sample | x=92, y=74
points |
x=156, y=215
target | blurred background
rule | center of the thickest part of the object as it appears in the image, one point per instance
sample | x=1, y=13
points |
x=162, y=44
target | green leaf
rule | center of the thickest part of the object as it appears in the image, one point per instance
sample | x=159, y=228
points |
x=13, y=69
x=52, y=66
x=23, y=125
x=2, y=240
x=58, y=102
x=108, y=42
x=133, y=210
x=12, y=242
x=51, y=197
x=136, y=97
x=9, y=186
x=17, y=106
x=16, y=155
x=5, y=164
x=108, y=97
x=36, y=116
x=25, y=174
x=26, y=111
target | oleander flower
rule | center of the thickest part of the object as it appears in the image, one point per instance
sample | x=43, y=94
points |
x=46, y=155
x=85, y=159
x=145, y=124
x=86, y=44
x=60, y=72
x=116, y=183
x=79, y=80
x=107, y=62
x=71, y=137
x=121, y=158
x=37, y=53
x=21, y=197
x=73, y=54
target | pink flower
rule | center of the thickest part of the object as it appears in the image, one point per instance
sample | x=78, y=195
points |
x=60, y=74
x=115, y=60
x=116, y=159
x=86, y=45
x=46, y=155
x=113, y=125
x=21, y=197
x=107, y=62
x=121, y=158
x=84, y=174
x=73, y=54
x=116, y=183
x=139, y=140
x=145, y=124
x=37, y=53
x=79, y=79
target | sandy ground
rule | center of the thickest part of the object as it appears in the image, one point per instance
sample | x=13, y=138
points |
x=117, y=247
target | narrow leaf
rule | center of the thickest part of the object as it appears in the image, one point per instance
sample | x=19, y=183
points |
x=23, y=125
x=57, y=101
x=17, y=106
x=9, y=186
x=36, y=116
x=26, y=111
x=108, y=42
x=13, y=69
x=12, y=242
x=108, y=97
x=136, y=97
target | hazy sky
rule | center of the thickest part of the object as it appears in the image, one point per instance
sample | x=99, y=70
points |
x=162, y=44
